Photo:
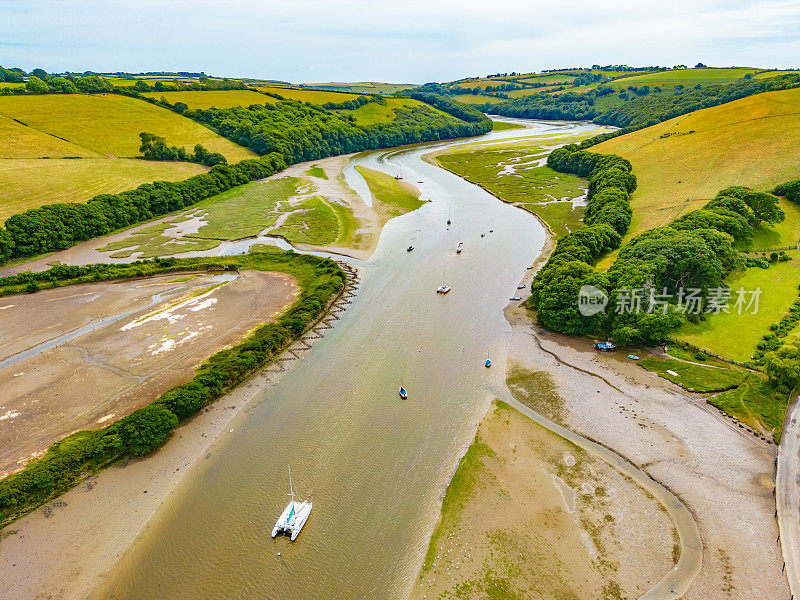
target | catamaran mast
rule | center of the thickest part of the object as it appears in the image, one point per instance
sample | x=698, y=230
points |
x=291, y=490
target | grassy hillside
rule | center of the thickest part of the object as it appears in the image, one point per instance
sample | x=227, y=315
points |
x=109, y=125
x=68, y=148
x=29, y=182
x=684, y=162
x=308, y=95
x=362, y=87
x=214, y=98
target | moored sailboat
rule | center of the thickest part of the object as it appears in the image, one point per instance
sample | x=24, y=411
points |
x=294, y=516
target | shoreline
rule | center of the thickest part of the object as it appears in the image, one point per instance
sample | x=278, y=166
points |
x=739, y=556
x=43, y=553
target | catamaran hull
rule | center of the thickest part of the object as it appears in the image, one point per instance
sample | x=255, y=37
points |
x=292, y=522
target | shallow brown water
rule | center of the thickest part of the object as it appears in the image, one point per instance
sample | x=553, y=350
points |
x=374, y=466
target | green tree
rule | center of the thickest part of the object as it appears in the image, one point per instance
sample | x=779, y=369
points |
x=146, y=429
x=36, y=86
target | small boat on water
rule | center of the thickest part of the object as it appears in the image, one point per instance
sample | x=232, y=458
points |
x=515, y=298
x=294, y=516
x=459, y=248
x=521, y=287
x=403, y=392
x=483, y=235
x=488, y=362
x=443, y=289
x=409, y=249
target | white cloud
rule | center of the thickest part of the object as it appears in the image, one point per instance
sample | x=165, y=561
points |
x=416, y=40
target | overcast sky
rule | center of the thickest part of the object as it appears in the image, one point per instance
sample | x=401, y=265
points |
x=411, y=41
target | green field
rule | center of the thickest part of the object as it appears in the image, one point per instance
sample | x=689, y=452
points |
x=786, y=233
x=391, y=197
x=109, y=125
x=704, y=76
x=511, y=174
x=505, y=125
x=756, y=404
x=373, y=113
x=735, y=336
x=214, y=98
x=28, y=183
x=21, y=141
x=41, y=135
x=752, y=141
x=742, y=394
x=308, y=95
x=363, y=87
x=243, y=212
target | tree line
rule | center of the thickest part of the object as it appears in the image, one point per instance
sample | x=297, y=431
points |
x=694, y=252
x=148, y=428
x=284, y=133
x=154, y=147
x=638, y=111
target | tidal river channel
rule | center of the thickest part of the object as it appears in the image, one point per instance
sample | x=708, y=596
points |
x=375, y=466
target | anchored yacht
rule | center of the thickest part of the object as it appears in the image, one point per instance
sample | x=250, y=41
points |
x=294, y=516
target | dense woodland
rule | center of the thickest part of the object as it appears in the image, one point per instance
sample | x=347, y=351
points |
x=302, y=131
x=696, y=251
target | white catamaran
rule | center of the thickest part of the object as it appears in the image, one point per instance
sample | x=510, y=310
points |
x=294, y=516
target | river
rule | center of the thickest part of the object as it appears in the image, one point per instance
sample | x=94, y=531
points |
x=375, y=466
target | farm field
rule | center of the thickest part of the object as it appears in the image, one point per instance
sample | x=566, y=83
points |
x=308, y=95
x=213, y=98
x=362, y=87
x=109, y=125
x=29, y=182
x=372, y=112
x=705, y=76
x=682, y=163
x=735, y=336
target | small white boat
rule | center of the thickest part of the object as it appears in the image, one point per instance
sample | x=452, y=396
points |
x=294, y=516
x=460, y=247
x=443, y=289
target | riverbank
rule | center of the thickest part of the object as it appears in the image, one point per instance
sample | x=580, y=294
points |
x=722, y=474
x=529, y=514
x=44, y=553
x=83, y=356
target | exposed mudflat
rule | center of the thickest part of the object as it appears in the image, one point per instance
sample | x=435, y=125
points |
x=722, y=474
x=539, y=517
x=81, y=357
